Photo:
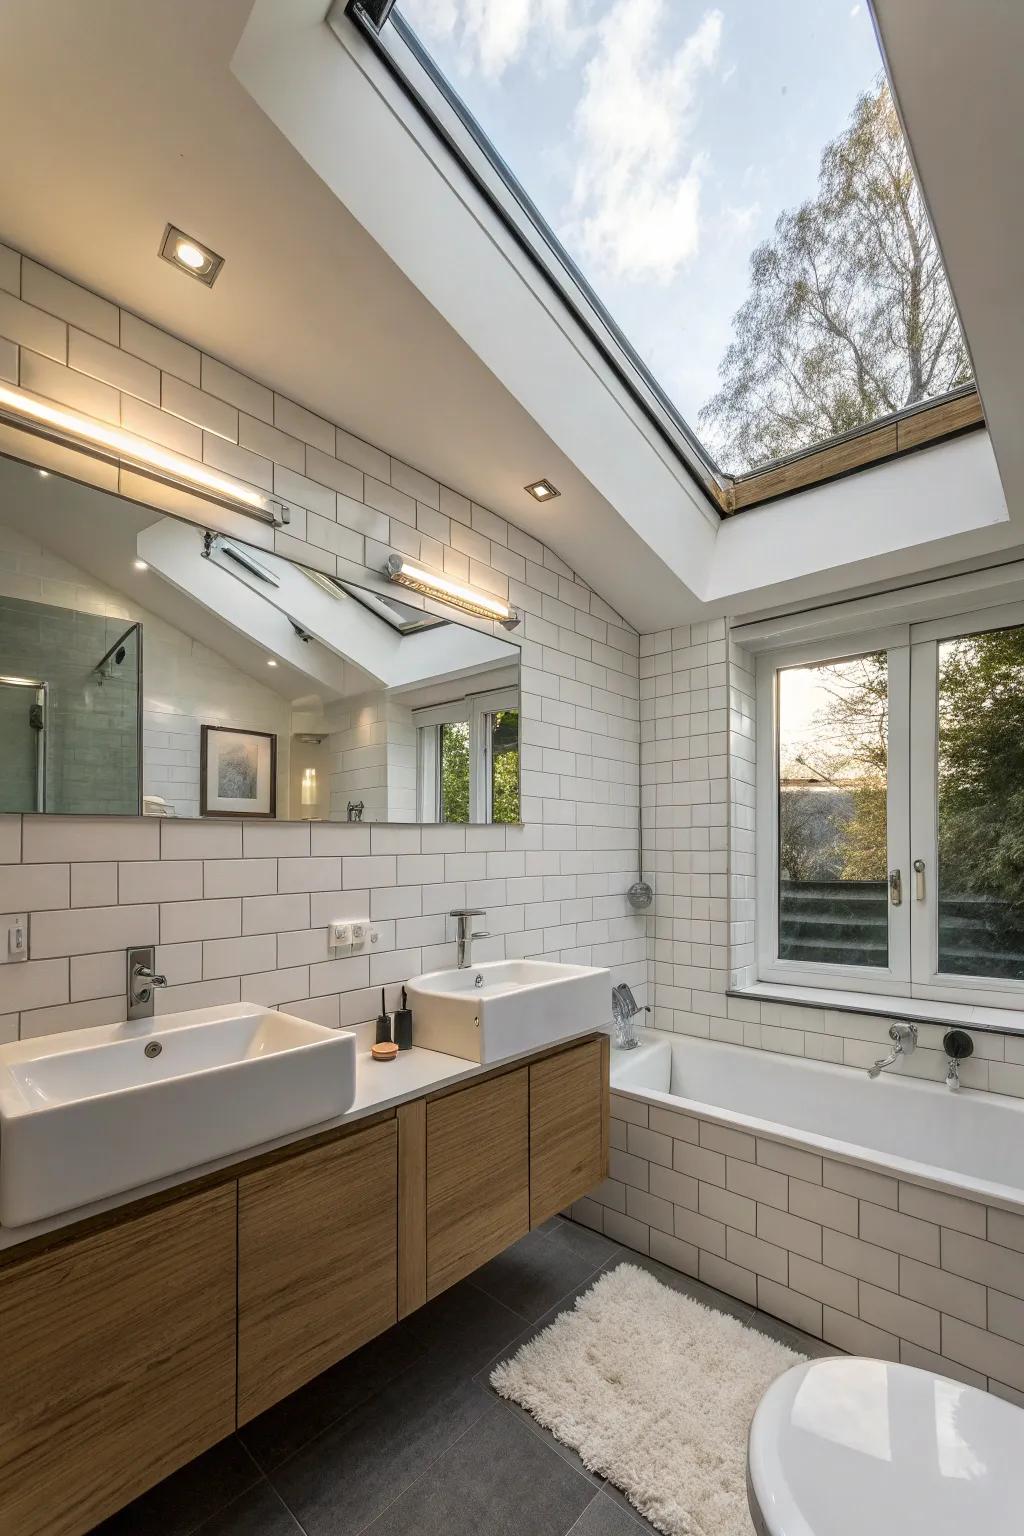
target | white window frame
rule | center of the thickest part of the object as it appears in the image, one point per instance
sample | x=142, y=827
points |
x=475, y=710
x=912, y=813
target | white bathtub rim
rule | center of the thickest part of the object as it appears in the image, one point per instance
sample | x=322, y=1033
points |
x=1003, y=1196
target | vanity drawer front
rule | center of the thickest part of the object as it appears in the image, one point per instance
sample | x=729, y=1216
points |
x=568, y=1127
x=317, y=1262
x=117, y=1363
x=478, y=1176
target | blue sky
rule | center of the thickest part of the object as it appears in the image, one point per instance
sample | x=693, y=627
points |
x=660, y=139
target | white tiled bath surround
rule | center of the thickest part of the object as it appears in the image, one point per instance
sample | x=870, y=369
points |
x=874, y=1265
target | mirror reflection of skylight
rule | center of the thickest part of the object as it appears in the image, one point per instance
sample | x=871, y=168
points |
x=733, y=183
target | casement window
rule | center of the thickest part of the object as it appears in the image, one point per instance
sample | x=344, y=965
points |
x=468, y=759
x=890, y=811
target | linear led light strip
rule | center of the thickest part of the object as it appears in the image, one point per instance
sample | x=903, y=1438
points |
x=55, y=422
x=453, y=592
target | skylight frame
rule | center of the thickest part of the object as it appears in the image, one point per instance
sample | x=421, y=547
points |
x=439, y=104
x=427, y=88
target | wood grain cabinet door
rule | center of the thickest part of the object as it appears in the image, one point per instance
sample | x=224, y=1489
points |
x=117, y=1363
x=317, y=1262
x=568, y=1127
x=478, y=1176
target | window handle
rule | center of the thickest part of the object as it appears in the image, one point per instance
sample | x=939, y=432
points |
x=919, y=879
x=895, y=887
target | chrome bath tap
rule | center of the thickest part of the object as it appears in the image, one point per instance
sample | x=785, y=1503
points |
x=626, y=1009
x=904, y=1038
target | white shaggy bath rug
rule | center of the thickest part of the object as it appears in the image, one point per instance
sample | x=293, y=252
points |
x=656, y=1393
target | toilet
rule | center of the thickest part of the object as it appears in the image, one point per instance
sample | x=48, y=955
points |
x=852, y=1447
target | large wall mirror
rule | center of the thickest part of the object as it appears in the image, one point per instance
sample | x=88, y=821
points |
x=147, y=666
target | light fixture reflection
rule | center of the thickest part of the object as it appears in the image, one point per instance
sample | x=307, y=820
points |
x=406, y=574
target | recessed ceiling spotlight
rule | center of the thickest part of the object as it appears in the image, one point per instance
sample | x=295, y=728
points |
x=197, y=260
x=141, y=565
x=542, y=490
x=271, y=662
x=44, y=474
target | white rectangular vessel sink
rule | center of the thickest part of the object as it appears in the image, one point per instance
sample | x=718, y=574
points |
x=504, y=1007
x=94, y=1112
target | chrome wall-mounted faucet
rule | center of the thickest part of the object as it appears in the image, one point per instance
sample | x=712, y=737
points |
x=904, y=1038
x=464, y=936
x=957, y=1045
x=142, y=979
x=625, y=1010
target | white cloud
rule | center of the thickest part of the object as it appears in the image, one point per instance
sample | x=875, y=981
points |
x=491, y=35
x=636, y=198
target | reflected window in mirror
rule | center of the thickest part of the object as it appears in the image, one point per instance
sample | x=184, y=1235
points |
x=468, y=759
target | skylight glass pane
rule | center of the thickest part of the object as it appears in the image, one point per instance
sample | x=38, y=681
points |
x=734, y=185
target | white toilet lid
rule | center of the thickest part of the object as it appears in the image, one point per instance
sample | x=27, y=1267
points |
x=850, y=1447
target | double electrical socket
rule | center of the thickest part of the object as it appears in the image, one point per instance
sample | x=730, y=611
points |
x=351, y=935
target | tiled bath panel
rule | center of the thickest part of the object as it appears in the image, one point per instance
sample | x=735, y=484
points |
x=870, y=1264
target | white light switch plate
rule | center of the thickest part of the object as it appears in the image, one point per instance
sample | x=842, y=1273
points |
x=14, y=933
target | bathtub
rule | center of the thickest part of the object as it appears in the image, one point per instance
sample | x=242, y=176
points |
x=969, y=1143
x=885, y=1217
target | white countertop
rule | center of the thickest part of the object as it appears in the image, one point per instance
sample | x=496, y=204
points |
x=380, y=1085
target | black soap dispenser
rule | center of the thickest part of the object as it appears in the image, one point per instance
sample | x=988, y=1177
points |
x=403, y=1025
x=383, y=1021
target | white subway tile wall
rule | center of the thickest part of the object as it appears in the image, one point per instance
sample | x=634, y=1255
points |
x=242, y=912
x=871, y=1264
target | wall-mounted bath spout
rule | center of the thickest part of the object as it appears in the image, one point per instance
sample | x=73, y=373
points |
x=957, y=1045
x=904, y=1039
x=625, y=1009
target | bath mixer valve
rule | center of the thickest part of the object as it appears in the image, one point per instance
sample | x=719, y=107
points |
x=904, y=1040
x=957, y=1045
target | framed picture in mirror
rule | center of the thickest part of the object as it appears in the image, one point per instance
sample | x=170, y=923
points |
x=238, y=772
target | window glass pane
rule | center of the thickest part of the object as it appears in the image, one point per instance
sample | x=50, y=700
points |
x=504, y=736
x=981, y=805
x=734, y=185
x=454, y=742
x=833, y=762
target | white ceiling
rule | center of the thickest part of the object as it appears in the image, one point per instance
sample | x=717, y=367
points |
x=958, y=73
x=129, y=115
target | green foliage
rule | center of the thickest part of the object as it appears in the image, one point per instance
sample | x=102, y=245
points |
x=505, y=767
x=981, y=767
x=455, y=773
x=849, y=315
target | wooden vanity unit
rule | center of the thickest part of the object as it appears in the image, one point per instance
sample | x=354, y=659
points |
x=133, y=1341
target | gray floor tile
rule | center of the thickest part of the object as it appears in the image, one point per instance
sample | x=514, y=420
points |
x=535, y=1273
x=609, y=1515
x=466, y=1324
x=259, y=1512
x=618, y=1498
x=592, y=1244
x=287, y=1426
x=184, y=1500
x=339, y=1482
x=499, y=1480
x=566, y=1452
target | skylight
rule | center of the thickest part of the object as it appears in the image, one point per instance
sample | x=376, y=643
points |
x=733, y=185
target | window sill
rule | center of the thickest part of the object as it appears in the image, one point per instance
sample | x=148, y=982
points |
x=1004, y=1021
